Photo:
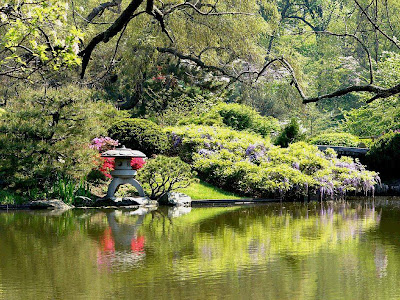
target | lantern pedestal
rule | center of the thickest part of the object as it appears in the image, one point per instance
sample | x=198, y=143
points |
x=117, y=181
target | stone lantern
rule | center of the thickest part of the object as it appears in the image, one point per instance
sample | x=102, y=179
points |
x=123, y=172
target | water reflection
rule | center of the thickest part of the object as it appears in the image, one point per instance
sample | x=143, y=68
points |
x=121, y=245
x=278, y=251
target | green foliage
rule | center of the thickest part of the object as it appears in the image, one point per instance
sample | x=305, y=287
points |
x=2, y=112
x=46, y=135
x=237, y=116
x=190, y=139
x=384, y=155
x=165, y=174
x=67, y=190
x=38, y=35
x=11, y=198
x=290, y=134
x=250, y=165
x=336, y=139
x=140, y=134
x=373, y=119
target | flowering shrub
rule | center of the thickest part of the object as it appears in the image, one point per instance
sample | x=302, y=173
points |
x=107, y=164
x=250, y=165
x=137, y=163
x=102, y=144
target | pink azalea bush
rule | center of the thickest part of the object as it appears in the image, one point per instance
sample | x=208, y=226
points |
x=107, y=164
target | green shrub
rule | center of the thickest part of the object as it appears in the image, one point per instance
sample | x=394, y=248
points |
x=10, y=198
x=67, y=190
x=384, y=155
x=187, y=140
x=336, y=139
x=140, y=134
x=2, y=112
x=47, y=134
x=165, y=174
x=290, y=134
x=237, y=116
x=250, y=165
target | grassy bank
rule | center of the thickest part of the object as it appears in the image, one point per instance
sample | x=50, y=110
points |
x=203, y=190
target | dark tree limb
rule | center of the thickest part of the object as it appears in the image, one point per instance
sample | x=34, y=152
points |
x=376, y=91
x=103, y=6
x=105, y=36
x=211, y=12
x=203, y=65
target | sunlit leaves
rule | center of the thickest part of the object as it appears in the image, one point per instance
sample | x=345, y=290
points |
x=36, y=35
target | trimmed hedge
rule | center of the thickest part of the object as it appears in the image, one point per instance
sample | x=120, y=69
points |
x=140, y=134
x=336, y=139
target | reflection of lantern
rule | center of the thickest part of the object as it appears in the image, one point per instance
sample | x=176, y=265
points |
x=123, y=172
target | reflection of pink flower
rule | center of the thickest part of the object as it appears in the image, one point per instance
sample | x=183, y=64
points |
x=107, y=241
x=137, y=244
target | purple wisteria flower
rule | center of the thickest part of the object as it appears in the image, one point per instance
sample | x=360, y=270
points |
x=176, y=140
x=205, y=152
x=255, y=152
x=296, y=165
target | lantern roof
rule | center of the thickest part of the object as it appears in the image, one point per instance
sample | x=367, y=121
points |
x=123, y=152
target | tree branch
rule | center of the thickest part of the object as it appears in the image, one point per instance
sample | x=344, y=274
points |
x=103, y=6
x=105, y=36
x=376, y=26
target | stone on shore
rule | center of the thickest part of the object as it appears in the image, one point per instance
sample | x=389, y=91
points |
x=175, y=199
x=49, y=204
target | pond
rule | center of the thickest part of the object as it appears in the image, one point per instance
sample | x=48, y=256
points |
x=333, y=250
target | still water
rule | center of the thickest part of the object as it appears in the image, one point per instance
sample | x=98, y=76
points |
x=346, y=250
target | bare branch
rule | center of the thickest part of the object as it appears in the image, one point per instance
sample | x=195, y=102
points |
x=211, y=12
x=376, y=26
x=103, y=6
x=203, y=65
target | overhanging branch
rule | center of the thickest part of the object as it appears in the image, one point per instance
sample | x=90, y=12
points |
x=105, y=36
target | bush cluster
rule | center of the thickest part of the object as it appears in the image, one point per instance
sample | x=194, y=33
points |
x=140, y=134
x=336, y=139
x=164, y=174
x=385, y=153
x=290, y=134
x=250, y=165
x=45, y=135
x=237, y=116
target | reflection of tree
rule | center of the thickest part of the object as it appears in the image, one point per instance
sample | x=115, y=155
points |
x=273, y=251
x=254, y=235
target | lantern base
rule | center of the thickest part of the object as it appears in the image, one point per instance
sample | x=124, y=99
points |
x=116, y=182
